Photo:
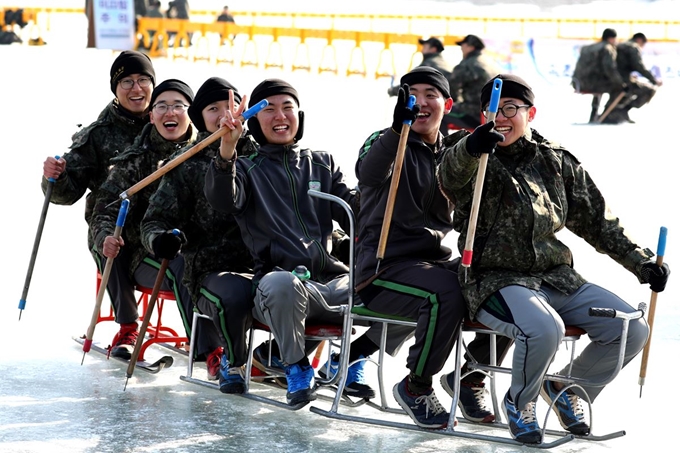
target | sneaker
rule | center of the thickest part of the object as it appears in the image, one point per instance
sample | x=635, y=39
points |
x=212, y=363
x=355, y=386
x=275, y=370
x=471, y=399
x=568, y=409
x=124, y=341
x=425, y=410
x=522, y=424
x=300, y=384
x=230, y=377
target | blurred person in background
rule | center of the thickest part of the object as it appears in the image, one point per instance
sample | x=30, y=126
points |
x=465, y=83
x=629, y=63
x=596, y=72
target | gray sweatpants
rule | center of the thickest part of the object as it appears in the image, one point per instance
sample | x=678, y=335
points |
x=536, y=320
x=285, y=304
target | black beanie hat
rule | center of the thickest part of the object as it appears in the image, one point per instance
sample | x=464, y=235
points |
x=214, y=89
x=513, y=87
x=173, y=85
x=428, y=75
x=272, y=87
x=131, y=62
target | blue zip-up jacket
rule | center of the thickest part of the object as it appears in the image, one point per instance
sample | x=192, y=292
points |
x=281, y=224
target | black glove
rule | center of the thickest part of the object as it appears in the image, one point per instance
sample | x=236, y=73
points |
x=401, y=111
x=168, y=244
x=655, y=275
x=625, y=87
x=483, y=140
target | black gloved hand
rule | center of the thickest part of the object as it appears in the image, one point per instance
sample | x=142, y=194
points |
x=483, y=140
x=655, y=275
x=401, y=111
x=625, y=87
x=168, y=244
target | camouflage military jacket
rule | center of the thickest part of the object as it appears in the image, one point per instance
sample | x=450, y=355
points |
x=214, y=242
x=467, y=80
x=629, y=59
x=436, y=61
x=88, y=161
x=137, y=162
x=595, y=70
x=532, y=189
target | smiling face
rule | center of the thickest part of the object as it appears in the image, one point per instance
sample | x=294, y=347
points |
x=279, y=121
x=136, y=99
x=433, y=107
x=172, y=124
x=213, y=113
x=513, y=128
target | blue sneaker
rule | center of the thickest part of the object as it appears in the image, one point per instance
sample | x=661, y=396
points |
x=230, y=377
x=355, y=386
x=522, y=423
x=300, y=384
x=568, y=409
x=274, y=369
x=425, y=410
x=471, y=399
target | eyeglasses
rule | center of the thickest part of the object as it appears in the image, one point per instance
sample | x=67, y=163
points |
x=161, y=108
x=127, y=84
x=508, y=110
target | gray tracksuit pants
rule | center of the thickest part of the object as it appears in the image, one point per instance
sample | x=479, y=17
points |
x=285, y=304
x=536, y=320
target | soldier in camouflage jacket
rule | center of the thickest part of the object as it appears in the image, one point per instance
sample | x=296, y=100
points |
x=465, y=83
x=86, y=166
x=596, y=72
x=218, y=265
x=169, y=130
x=521, y=281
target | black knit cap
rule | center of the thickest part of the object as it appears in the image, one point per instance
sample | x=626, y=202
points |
x=173, y=85
x=131, y=62
x=214, y=89
x=428, y=75
x=513, y=87
x=267, y=88
x=272, y=87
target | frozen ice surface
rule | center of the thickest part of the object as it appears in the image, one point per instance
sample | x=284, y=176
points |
x=49, y=402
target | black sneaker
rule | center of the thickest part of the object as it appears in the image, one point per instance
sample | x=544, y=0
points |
x=568, y=409
x=522, y=423
x=273, y=369
x=425, y=409
x=355, y=386
x=471, y=399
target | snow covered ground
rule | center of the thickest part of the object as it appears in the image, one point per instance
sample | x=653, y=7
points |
x=50, y=403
